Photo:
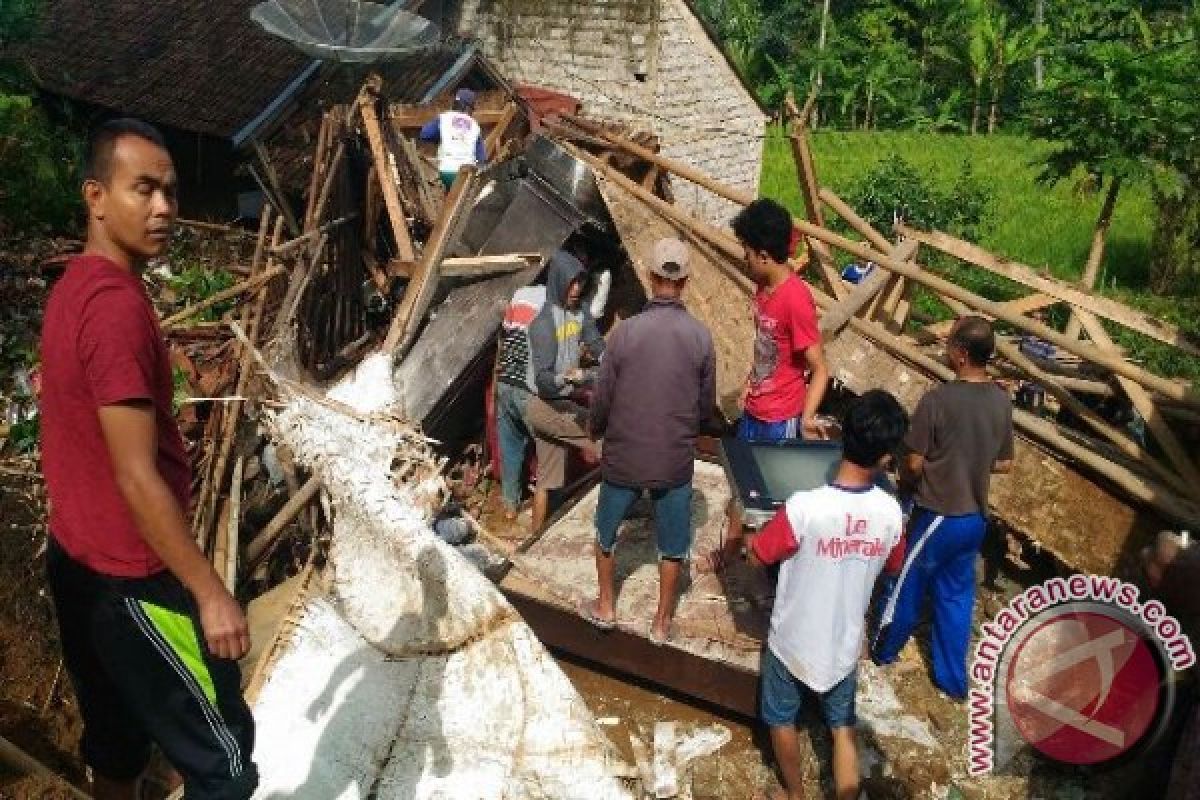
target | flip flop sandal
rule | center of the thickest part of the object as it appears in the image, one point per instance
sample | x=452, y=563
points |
x=587, y=610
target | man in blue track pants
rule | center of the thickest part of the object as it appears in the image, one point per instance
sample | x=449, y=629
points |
x=961, y=433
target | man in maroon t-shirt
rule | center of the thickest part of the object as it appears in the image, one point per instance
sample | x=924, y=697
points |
x=150, y=634
x=789, y=377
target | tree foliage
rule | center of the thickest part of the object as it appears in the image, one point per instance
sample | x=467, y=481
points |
x=37, y=156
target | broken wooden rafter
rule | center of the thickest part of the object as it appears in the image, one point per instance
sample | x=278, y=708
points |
x=25, y=764
x=324, y=134
x=475, y=266
x=277, y=194
x=838, y=315
x=1021, y=305
x=419, y=117
x=810, y=187
x=492, y=142
x=310, y=235
x=420, y=290
x=1020, y=273
x=384, y=169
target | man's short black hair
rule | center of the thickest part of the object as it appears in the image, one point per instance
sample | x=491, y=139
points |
x=767, y=226
x=872, y=427
x=977, y=339
x=103, y=138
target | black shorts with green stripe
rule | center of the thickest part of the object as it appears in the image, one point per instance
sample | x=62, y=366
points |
x=142, y=674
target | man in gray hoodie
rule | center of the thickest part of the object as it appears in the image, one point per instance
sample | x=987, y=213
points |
x=562, y=339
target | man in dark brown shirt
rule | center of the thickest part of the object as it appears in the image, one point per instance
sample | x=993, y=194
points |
x=961, y=433
x=657, y=386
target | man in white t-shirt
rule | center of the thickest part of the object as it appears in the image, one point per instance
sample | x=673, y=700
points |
x=459, y=137
x=831, y=544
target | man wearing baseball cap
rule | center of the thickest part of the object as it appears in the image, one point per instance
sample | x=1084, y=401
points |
x=459, y=137
x=657, y=386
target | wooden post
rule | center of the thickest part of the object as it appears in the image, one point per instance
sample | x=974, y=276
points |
x=492, y=142
x=834, y=318
x=1145, y=406
x=913, y=272
x=318, y=167
x=383, y=168
x=420, y=290
x=1096, y=252
x=810, y=186
x=1026, y=276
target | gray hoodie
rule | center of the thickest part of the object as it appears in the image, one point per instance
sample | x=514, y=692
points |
x=556, y=334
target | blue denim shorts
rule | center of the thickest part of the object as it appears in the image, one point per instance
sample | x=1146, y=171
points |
x=672, y=517
x=782, y=696
x=752, y=429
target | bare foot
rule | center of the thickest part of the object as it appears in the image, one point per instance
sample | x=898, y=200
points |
x=590, y=611
x=660, y=632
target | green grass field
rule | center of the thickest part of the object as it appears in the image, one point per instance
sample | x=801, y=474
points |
x=1048, y=227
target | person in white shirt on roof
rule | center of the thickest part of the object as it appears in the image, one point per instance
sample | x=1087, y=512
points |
x=459, y=137
x=831, y=544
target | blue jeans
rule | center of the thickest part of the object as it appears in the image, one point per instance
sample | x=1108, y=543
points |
x=752, y=429
x=672, y=517
x=782, y=696
x=512, y=434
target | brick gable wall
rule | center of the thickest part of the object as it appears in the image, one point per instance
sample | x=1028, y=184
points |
x=647, y=62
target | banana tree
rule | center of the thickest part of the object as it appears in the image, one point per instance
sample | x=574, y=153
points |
x=1010, y=48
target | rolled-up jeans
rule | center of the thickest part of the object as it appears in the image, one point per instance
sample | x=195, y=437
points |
x=513, y=434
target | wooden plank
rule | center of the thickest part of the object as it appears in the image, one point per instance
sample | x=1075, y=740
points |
x=320, y=154
x=419, y=292
x=281, y=201
x=1020, y=273
x=1145, y=406
x=383, y=169
x=838, y=315
x=417, y=117
x=476, y=266
x=809, y=187
x=1091, y=267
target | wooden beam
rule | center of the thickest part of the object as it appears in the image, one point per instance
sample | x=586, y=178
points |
x=25, y=764
x=229, y=569
x=383, y=169
x=704, y=181
x=810, y=186
x=492, y=142
x=320, y=154
x=475, y=266
x=834, y=318
x=1145, y=406
x=1091, y=268
x=1100, y=306
x=410, y=117
x=419, y=292
x=915, y=273
x=281, y=201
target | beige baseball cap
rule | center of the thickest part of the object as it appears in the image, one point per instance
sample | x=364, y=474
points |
x=670, y=259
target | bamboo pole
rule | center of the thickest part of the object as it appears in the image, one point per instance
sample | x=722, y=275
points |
x=262, y=545
x=26, y=764
x=247, y=285
x=318, y=166
x=810, y=186
x=1022, y=305
x=942, y=286
x=1020, y=273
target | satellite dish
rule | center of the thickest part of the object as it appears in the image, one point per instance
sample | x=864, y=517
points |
x=346, y=30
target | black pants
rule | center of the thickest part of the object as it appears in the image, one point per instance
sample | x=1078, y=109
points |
x=142, y=673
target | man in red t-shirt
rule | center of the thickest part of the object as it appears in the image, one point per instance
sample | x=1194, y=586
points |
x=150, y=634
x=789, y=377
